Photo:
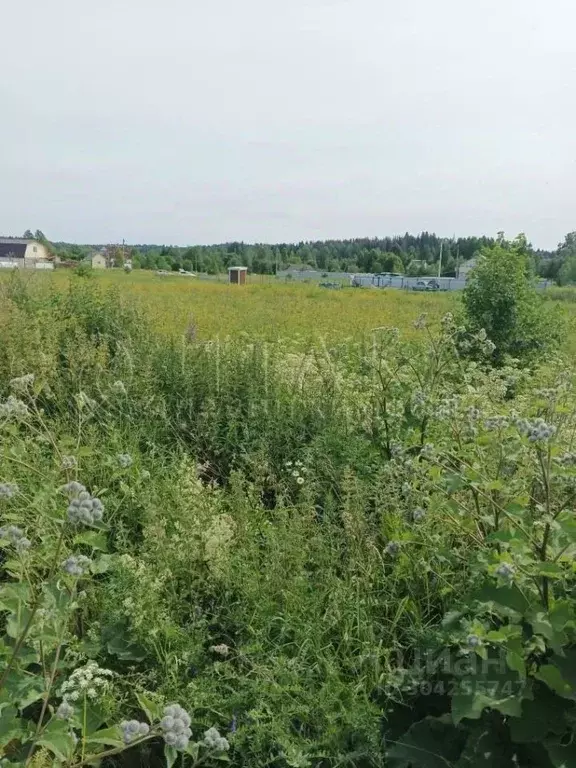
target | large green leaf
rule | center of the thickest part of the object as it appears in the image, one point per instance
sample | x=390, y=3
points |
x=93, y=539
x=171, y=755
x=552, y=676
x=58, y=738
x=10, y=726
x=507, y=597
x=493, y=685
x=429, y=743
x=152, y=708
x=110, y=736
x=487, y=747
x=471, y=705
x=541, y=716
x=561, y=756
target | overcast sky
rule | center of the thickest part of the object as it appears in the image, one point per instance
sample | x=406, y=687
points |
x=198, y=121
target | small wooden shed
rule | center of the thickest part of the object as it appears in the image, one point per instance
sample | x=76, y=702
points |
x=237, y=275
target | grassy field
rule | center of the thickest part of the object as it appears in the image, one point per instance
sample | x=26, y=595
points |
x=268, y=310
x=330, y=556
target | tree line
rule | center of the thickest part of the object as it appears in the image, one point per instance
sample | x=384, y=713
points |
x=408, y=254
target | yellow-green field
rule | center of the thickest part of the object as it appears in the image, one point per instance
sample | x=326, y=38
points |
x=268, y=309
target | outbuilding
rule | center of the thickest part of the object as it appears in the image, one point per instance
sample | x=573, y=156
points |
x=237, y=275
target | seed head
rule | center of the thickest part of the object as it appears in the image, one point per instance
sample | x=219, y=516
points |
x=418, y=514
x=12, y=533
x=132, y=730
x=22, y=383
x=64, y=711
x=392, y=548
x=124, y=460
x=76, y=565
x=175, y=726
x=69, y=462
x=505, y=571
x=213, y=740
x=8, y=490
x=23, y=545
x=221, y=650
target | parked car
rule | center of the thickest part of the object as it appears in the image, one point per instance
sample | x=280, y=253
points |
x=433, y=285
x=421, y=285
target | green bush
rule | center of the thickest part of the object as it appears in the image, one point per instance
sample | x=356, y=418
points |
x=501, y=298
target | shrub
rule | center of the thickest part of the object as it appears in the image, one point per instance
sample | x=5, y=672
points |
x=500, y=297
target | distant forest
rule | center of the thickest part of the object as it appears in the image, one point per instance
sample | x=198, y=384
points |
x=408, y=254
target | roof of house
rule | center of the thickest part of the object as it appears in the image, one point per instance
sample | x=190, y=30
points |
x=230, y=268
x=19, y=240
x=12, y=248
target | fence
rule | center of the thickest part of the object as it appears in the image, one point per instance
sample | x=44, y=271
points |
x=8, y=263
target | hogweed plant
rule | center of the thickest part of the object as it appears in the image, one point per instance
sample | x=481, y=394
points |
x=53, y=699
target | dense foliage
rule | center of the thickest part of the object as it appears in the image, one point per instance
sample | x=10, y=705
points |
x=403, y=253
x=359, y=555
x=500, y=298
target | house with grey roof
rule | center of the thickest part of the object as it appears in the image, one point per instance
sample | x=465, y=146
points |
x=15, y=251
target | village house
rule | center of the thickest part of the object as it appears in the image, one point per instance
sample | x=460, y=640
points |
x=15, y=251
x=100, y=259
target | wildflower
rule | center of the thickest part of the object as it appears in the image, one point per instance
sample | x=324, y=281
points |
x=566, y=459
x=7, y=490
x=418, y=514
x=72, y=488
x=213, y=740
x=13, y=408
x=77, y=565
x=288, y=463
x=392, y=548
x=221, y=650
x=406, y=488
x=90, y=680
x=83, y=508
x=295, y=473
x=12, y=533
x=175, y=726
x=300, y=480
x=22, y=383
x=118, y=388
x=427, y=451
x=69, y=462
x=420, y=323
x=540, y=431
x=22, y=545
x=493, y=423
x=64, y=711
x=505, y=571
x=473, y=413
x=132, y=730
x=448, y=408
x=124, y=460
x=473, y=641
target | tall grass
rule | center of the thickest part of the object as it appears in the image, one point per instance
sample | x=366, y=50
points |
x=269, y=509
